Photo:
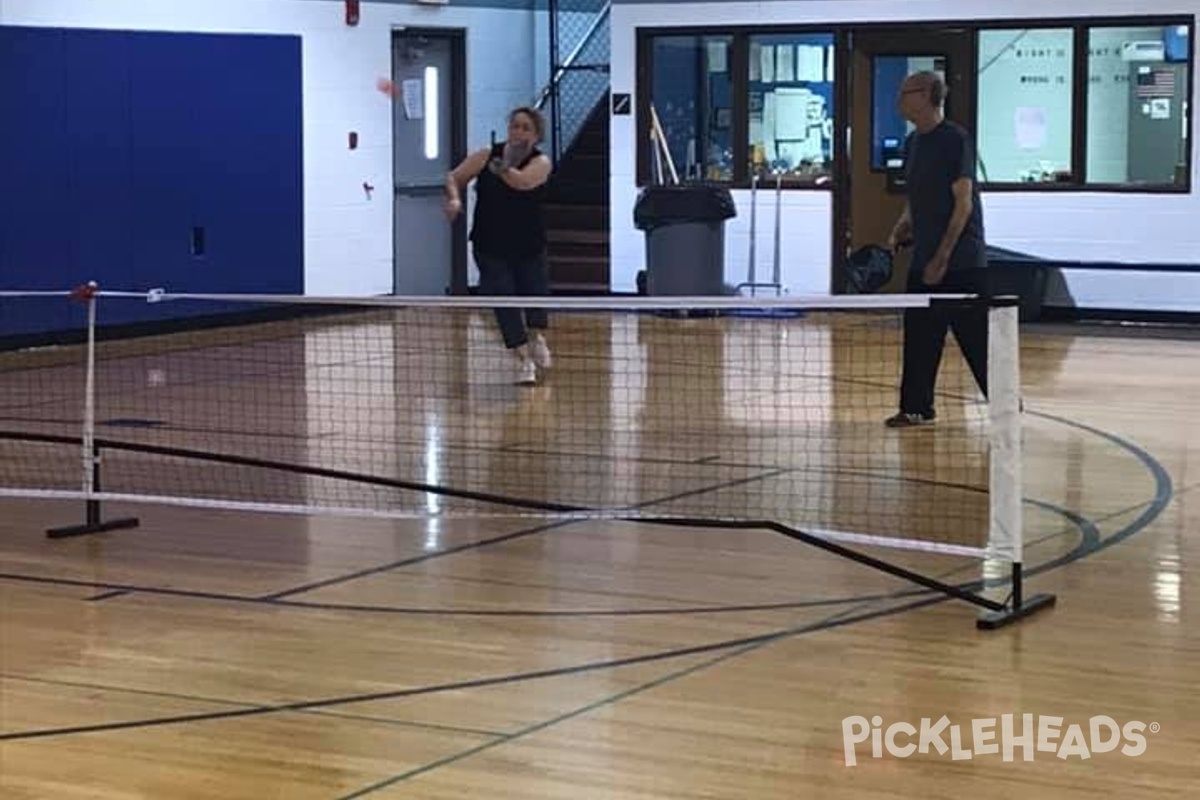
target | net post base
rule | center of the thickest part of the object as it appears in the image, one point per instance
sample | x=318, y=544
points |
x=992, y=620
x=94, y=524
x=1020, y=606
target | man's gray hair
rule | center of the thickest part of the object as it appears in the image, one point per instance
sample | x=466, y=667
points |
x=937, y=86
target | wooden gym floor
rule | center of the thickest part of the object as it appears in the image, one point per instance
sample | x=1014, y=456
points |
x=222, y=654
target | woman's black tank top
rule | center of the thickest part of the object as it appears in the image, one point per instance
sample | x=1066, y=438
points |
x=507, y=222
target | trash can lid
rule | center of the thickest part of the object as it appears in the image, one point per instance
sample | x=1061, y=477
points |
x=684, y=202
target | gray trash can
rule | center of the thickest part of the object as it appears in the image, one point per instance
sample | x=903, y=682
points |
x=685, y=238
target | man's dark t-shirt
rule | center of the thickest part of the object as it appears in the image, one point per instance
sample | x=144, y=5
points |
x=933, y=162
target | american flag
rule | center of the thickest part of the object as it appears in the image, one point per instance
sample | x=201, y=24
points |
x=1156, y=83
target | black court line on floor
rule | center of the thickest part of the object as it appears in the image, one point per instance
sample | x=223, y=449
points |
x=775, y=471
x=279, y=596
x=509, y=737
x=108, y=595
x=375, y=480
x=830, y=623
x=1147, y=511
x=1162, y=497
x=514, y=448
x=264, y=463
x=1152, y=509
x=478, y=683
x=1088, y=529
x=1089, y=536
x=517, y=448
x=456, y=686
x=542, y=528
x=161, y=425
x=190, y=698
x=520, y=448
x=408, y=562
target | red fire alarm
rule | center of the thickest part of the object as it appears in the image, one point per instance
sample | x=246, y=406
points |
x=351, y=12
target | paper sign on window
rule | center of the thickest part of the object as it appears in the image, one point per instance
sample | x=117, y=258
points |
x=1030, y=124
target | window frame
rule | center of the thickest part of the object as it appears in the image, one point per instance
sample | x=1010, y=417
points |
x=1080, y=123
x=739, y=77
x=841, y=32
x=645, y=80
x=1080, y=26
x=1078, y=103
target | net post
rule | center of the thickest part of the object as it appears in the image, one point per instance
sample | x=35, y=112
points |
x=93, y=514
x=1006, y=531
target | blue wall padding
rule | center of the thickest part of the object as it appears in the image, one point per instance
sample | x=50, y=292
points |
x=116, y=145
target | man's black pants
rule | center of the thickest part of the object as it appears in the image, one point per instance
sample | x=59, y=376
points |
x=925, y=336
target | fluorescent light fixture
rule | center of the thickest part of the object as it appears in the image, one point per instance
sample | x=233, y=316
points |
x=431, y=113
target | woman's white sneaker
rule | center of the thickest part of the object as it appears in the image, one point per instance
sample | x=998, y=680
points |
x=526, y=372
x=541, y=352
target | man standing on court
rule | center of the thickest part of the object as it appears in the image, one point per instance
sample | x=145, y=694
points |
x=944, y=220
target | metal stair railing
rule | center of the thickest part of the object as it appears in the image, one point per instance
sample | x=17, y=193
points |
x=579, y=80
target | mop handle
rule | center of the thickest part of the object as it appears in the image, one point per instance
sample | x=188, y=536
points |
x=778, y=202
x=753, y=227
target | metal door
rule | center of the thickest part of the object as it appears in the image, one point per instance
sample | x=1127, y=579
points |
x=428, y=254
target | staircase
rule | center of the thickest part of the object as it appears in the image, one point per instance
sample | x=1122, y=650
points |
x=576, y=211
x=576, y=101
